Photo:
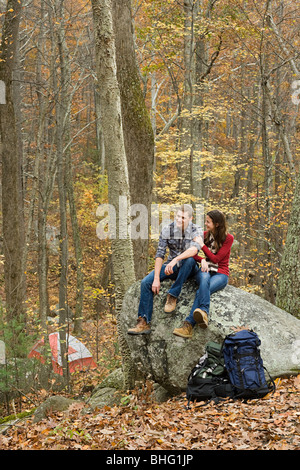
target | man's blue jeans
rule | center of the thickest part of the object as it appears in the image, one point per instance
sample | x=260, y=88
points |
x=180, y=274
x=208, y=284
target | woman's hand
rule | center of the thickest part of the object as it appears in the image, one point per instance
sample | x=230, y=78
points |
x=204, y=266
x=199, y=240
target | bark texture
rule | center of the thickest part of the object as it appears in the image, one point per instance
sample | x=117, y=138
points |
x=138, y=133
x=118, y=180
x=288, y=292
x=12, y=200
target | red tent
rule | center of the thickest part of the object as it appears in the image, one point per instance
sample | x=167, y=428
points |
x=79, y=357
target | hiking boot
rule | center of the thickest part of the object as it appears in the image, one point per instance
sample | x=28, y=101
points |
x=141, y=328
x=170, y=304
x=200, y=317
x=185, y=331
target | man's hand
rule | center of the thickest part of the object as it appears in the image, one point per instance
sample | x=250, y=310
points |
x=156, y=286
x=170, y=266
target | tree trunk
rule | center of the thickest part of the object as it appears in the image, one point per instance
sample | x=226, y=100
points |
x=186, y=119
x=62, y=110
x=288, y=292
x=137, y=128
x=118, y=180
x=39, y=184
x=197, y=66
x=12, y=206
x=268, y=282
x=77, y=247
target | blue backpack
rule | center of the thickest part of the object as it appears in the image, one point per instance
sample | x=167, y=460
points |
x=244, y=365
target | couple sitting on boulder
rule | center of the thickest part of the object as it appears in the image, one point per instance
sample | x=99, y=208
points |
x=184, y=240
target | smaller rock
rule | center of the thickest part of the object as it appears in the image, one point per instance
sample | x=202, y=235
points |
x=52, y=404
x=108, y=392
x=160, y=393
x=104, y=396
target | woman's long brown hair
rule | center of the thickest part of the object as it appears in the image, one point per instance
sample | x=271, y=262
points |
x=221, y=230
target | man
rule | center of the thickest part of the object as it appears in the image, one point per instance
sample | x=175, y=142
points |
x=178, y=237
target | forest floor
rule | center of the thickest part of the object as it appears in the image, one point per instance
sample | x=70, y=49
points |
x=140, y=423
x=267, y=424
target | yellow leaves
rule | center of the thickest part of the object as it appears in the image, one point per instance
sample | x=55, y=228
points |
x=217, y=165
x=95, y=293
x=206, y=112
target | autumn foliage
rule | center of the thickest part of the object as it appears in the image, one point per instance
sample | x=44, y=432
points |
x=141, y=424
x=219, y=80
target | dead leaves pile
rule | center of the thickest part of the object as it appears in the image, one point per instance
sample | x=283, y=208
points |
x=265, y=424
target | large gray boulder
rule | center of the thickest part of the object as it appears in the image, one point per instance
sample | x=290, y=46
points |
x=168, y=359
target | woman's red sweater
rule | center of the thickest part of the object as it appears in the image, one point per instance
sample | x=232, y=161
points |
x=221, y=257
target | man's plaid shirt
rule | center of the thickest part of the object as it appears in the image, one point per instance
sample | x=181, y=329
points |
x=172, y=237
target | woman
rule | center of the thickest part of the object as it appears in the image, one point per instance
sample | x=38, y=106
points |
x=214, y=272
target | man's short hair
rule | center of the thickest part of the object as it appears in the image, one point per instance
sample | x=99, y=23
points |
x=187, y=208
